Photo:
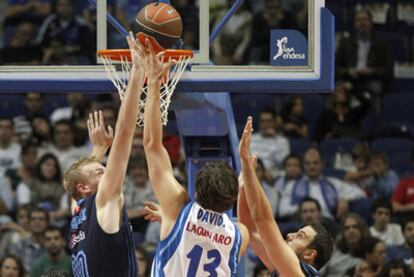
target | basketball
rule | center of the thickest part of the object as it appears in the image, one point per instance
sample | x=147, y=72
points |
x=161, y=23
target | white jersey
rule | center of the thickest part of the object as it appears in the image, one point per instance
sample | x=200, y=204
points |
x=202, y=243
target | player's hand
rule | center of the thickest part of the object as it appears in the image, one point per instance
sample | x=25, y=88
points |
x=137, y=51
x=99, y=135
x=152, y=211
x=155, y=67
x=244, y=146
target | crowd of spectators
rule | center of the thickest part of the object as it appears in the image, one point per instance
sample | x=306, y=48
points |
x=315, y=165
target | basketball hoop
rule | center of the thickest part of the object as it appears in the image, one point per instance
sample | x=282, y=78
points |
x=119, y=77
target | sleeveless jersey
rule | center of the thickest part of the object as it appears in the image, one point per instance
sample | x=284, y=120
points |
x=308, y=270
x=202, y=243
x=96, y=253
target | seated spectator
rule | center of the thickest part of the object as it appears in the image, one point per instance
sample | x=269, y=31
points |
x=273, y=16
x=384, y=180
x=78, y=108
x=230, y=45
x=295, y=124
x=389, y=233
x=56, y=257
x=65, y=37
x=41, y=133
x=137, y=190
x=33, y=103
x=310, y=213
x=33, y=11
x=405, y=251
x=12, y=266
x=331, y=193
x=364, y=58
x=284, y=186
x=341, y=120
x=269, y=145
x=22, y=49
x=396, y=268
x=403, y=197
x=374, y=255
x=360, y=174
x=31, y=248
x=349, y=250
x=9, y=150
x=46, y=189
x=143, y=261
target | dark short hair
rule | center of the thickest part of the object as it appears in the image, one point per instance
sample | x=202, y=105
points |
x=292, y=156
x=317, y=150
x=323, y=244
x=269, y=111
x=310, y=199
x=39, y=210
x=52, y=228
x=381, y=202
x=366, y=11
x=217, y=186
x=379, y=156
x=18, y=262
x=395, y=264
x=406, y=221
x=369, y=244
x=137, y=163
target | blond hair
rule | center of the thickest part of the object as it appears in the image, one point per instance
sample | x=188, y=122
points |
x=74, y=174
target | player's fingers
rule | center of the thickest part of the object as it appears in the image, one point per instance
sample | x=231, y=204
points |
x=96, y=119
x=91, y=125
x=101, y=118
x=110, y=131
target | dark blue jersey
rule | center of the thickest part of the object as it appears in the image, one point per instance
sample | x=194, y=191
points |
x=307, y=269
x=96, y=253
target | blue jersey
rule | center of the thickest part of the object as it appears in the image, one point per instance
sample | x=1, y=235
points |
x=96, y=253
x=202, y=243
x=308, y=270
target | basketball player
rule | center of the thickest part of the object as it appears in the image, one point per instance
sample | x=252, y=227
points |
x=197, y=238
x=101, y=239
x=303, y=253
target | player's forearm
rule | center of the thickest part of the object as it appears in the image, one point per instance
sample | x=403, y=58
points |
x=257, y=201
x=99, y=152
x=152, y=119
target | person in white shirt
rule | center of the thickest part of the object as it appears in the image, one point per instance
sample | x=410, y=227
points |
x=269, y=145
x=389, y=233
x=9, y=151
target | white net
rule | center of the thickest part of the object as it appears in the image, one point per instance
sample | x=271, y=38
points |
x=119, y=77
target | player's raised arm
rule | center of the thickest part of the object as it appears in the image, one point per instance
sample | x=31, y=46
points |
x=170, y=194
x=110, y=185
x=281, y=256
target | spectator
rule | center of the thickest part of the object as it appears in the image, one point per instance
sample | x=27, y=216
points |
x=66, y=37
x=46, y=189
x=405, y=251
x=374, y=254
x=11, y=266
x=364, y=58
x=403, y=197
x=143, y=261
x=63, y=144
x=55, y=257
x=284, y=186
x=396, y=268
x=9, y=150
x=22, y=49
x=26, y=10
x=230, y=45
x=137, y=190
x=342, y=120
x=41, y=133
x=332, y=193
x=13, y=232
x=310, y=213
x=294, y=123
x=273, y=16
x=360, y=174
x=32, y=247
x=269, y=145
x=78, y=108
x=385, y=179
x=24, y=173
x=349, y=250
x=33, y=103
x=389, y=233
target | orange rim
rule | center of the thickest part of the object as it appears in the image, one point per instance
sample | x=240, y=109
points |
x=125, y=54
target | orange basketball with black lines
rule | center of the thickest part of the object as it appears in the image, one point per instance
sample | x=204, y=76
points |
x=161, y=23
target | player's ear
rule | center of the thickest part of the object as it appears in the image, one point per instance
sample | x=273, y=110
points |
x=310, y=255
x=81, y=188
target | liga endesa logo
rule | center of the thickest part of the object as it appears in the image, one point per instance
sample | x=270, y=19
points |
x=285, y=52
x=288, y=48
